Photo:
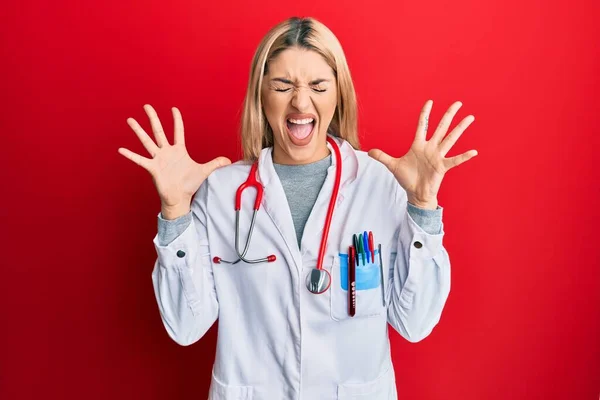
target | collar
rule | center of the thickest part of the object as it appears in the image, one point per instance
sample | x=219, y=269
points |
x=267, y=173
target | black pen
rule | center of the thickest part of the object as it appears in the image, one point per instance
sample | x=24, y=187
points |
x=356, y=249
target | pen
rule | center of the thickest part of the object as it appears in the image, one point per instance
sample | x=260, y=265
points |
x=366, y=245
x=372, y=246
x=361, y=250
x=355, y=244
x=351, y=282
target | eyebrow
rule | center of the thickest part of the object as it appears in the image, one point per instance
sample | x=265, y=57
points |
x=289, y=82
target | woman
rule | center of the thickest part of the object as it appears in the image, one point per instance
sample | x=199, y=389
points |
x=289, y=328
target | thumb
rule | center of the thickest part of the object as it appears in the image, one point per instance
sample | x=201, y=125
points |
x=383, y=158
x=218, y=162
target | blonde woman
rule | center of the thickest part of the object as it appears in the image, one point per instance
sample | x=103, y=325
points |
x=342, y=243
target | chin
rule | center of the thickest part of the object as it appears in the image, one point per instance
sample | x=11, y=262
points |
x=307, y=153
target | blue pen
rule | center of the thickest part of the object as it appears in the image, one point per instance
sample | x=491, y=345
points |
x=365, y=240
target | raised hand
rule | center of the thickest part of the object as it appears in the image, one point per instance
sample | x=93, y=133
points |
x=421, y=170
x=176, y=176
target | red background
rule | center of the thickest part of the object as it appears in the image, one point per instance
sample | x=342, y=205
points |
x=79, y=317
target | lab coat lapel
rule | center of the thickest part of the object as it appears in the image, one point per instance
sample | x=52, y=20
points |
x=313, y=230
x=276, y=205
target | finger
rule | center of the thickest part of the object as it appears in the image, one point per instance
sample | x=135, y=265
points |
x=159, y=133
x=383, y=158
x=143, y=136
x=445, y=122
x=178, y=121
x=424, y=121
x=218, y=162
x=453, y=136
x=459, y=159
x=136, y=158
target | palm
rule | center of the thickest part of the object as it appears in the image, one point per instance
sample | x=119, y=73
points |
x=421, y=170
x=415, y=167
x=176, y=176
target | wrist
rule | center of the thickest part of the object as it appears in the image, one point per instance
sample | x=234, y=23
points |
x=174, y=212
x=427, y=205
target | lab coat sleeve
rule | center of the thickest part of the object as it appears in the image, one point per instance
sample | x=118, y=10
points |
x=419, y=278
x=183, y=279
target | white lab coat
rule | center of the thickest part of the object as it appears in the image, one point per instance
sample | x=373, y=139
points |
x=276, y=340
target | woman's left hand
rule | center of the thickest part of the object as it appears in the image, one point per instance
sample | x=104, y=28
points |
x=421, y=170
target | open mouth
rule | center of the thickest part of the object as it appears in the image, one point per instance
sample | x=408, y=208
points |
x=300, y=130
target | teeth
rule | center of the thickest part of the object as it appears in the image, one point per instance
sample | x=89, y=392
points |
x=301, y=121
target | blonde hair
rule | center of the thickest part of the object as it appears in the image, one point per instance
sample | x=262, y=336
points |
x=306, y=33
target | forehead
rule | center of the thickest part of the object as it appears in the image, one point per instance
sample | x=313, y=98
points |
x=299, y=64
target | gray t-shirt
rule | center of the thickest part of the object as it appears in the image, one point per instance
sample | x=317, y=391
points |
x=302, y=184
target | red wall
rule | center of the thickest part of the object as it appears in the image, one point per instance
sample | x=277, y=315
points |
x=79, y=318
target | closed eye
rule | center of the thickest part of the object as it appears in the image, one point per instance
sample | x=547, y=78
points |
x=288, y=89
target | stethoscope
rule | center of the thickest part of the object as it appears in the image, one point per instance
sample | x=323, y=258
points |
x=319, y=279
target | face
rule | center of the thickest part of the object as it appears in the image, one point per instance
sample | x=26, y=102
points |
x=299, y=96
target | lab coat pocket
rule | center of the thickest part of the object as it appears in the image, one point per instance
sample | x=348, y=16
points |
x=369, y=300
x=220, y=391
x=382, y=387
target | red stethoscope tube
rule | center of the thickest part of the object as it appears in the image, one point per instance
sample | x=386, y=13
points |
x=253, y=182
x=336, y=189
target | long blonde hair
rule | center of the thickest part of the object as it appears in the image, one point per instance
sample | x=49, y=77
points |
x=306, y=33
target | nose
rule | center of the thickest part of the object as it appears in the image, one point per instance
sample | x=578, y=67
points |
x=301, y=99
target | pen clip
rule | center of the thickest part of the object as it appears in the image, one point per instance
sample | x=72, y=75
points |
x=372, y=246
x=365, y=239
x=361, y=250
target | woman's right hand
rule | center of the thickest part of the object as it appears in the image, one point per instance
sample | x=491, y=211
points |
x=177, y=177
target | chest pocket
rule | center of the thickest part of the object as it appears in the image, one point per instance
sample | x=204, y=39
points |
x=369, y=294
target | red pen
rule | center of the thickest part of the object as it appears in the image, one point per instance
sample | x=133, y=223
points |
x=371, y=246
x=351, y=282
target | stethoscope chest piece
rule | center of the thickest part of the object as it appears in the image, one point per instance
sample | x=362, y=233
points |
x=318, y=281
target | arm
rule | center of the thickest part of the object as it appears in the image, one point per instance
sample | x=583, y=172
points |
x=420, y=276
x=183, y=277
